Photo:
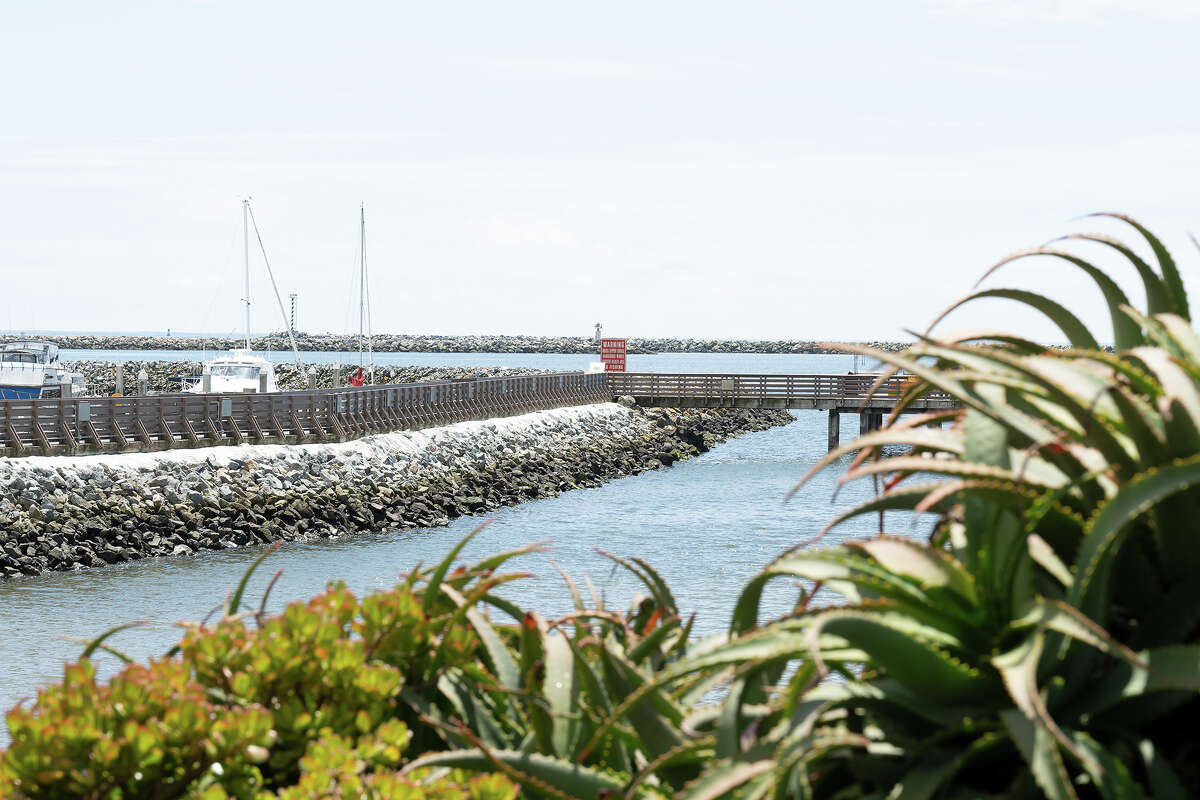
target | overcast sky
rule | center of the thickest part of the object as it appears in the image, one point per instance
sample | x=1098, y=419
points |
x=828, y=170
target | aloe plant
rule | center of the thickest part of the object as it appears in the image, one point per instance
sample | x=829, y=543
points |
x=1043, y=640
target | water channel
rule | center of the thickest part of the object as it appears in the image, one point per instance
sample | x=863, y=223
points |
x=707, y=524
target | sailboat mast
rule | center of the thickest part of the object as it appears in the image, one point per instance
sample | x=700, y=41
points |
x=362, y=279
x=246, y=248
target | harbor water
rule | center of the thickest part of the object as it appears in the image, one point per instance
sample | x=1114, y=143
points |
x=707, y=525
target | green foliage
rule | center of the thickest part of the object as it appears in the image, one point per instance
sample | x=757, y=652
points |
x=1043, y=640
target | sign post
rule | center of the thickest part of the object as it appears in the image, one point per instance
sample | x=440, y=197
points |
x=612, y=353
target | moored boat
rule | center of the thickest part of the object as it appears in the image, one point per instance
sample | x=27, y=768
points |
x=24, y=368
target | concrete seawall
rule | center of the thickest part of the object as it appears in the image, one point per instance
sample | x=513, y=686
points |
x=65, y=513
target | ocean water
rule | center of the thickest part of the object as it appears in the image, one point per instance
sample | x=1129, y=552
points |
x=707, y=525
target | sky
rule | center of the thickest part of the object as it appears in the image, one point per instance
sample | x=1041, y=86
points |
x=687, y=168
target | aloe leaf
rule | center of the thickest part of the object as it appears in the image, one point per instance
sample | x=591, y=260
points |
x=724, y=777
x=929, y=567
x=1108, y=773
x=1170, y=273
x=501, y=659
x=1158, y=299
x=472, y=708
x=1176, y=382
x=576, y=597
x=1164, y=783
x=1181, y=332
x=98, y=643
x=1035, y=472
x=927, y=438
x=1045, y=761
x=914, y=655
x=1164, y=669
x=1107, y=529
x=235, y=602
x=1026, y=426
x=649, y=647
x=439, y=572
x=647, y=709
x=535, y=772
x=1070, y=325
x=1125, y=333
x=1044, y=556
x=562, y=693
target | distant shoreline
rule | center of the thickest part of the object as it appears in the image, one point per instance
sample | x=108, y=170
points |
x=404, y=343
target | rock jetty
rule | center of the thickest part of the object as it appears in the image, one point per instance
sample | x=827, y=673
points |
x=163, y=376
x=71, y=513
x=410, y=343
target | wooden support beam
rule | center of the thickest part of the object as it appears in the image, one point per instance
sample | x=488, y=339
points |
x=47, y=448
x=190, y=431
x=258, y=431
x=92, y=433
x=167, y=436
x=237, y=434
x=278, y=428
x=142, y=433
x=119, y=435
x=835, y=428
x=68, y=437
x=16, y=440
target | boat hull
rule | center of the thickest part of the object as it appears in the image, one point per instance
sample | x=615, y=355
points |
x=20, y=392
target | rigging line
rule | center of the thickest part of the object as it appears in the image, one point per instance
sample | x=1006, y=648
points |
x=287, y=323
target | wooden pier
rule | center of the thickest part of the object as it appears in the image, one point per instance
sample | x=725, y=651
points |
x=79, y=425
x=835, y=393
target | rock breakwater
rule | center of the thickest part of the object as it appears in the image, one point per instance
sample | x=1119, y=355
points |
x=163, y=376
x=410, y=343
x=64, y=513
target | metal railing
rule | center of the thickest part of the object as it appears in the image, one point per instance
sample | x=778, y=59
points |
x=50, y=426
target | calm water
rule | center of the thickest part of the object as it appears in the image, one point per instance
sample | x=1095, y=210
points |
x=707, y=525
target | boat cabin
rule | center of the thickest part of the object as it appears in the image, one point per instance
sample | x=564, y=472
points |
x=240, y=371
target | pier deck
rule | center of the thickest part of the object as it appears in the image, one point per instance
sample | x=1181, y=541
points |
x=79, y=425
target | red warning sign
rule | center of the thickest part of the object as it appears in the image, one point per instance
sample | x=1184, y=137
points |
x=612, y=353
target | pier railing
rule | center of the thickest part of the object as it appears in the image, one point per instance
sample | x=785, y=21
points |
x=834, y=391
x=53, y=426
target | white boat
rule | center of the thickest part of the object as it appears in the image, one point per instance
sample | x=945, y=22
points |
x=240, y=370
x=25, y=367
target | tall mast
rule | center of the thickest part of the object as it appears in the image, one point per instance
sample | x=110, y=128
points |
x=246, y=248
x=362, y=279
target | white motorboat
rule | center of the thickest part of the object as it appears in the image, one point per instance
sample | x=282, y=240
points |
x=239, y=371
x=25, y=368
